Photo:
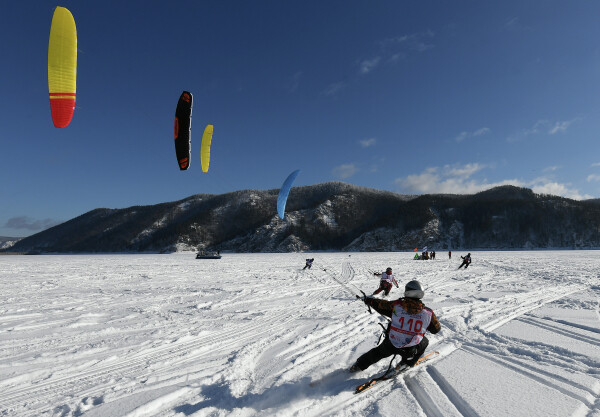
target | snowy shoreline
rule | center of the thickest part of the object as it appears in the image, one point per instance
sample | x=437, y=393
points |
x=441, y=252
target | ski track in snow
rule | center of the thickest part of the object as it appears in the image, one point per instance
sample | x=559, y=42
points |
x=169, y=335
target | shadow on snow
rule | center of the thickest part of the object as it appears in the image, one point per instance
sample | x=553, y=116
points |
x=219, y=395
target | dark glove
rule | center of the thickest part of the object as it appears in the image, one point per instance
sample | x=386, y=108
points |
x=364, y=298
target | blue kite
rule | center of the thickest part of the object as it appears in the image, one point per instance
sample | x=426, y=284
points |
x=284, y=192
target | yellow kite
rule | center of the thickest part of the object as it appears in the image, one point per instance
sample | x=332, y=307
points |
x=62, y=66
x=205, y=147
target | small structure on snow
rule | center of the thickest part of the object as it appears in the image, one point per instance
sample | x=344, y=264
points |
x=202, y=254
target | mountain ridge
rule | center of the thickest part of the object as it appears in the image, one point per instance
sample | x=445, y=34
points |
x=330, y=216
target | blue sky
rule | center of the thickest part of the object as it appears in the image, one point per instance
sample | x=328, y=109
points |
x=406, y=96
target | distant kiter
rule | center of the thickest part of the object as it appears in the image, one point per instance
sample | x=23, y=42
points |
x=466, y=261
x=309, y=263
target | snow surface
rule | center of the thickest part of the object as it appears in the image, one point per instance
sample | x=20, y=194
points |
x=169, y=335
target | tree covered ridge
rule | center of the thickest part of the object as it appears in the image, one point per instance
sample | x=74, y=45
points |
x=331, y=216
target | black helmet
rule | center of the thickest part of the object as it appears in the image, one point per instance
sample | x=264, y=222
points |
x=388, y=269
x=469, y=254
x=414, y=289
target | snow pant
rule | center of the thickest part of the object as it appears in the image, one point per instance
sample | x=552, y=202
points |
x=410, y=355
x=384, y=286
x=307, y=266
x=465, y=263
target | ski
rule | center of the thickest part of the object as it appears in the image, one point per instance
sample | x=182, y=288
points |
x=397, y=371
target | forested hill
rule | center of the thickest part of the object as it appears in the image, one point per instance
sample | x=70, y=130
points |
x=331, y=216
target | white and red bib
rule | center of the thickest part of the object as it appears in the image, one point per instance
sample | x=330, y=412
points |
x=408, y=329
x=388, y=278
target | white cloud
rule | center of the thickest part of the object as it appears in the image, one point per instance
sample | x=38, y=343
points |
x=421, y=46
x=24, y=222
x=334, y=88
x=464, y=171
x=593, y=177
x=369, y=65
x=397, y=56
x=416, y=42
x=512, y=22
x=397, y=39
x=447, y=180
x=458, y=179
x=560, y=127
x=395, y=48
x=344, y=171
x=365, y=143
x=462, y=136
x=552, y=168
x=537, y=127
x=524, y=133
x=562, y=190
x=596, y=164
x=542, y=126
x=465, y=135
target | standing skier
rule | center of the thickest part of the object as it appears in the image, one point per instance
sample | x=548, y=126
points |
x=385, y=284
x=405, y=335
x=466, y=261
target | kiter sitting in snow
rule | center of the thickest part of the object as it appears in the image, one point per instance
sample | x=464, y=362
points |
x=309, y=263
x=405, y=335
x=466, y=261
x=385, y=284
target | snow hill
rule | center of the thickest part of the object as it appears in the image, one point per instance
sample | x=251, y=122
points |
x=330, y=216
x=169, y=335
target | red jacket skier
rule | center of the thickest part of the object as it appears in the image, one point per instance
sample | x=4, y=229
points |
x=406, y=334
x=385, y=284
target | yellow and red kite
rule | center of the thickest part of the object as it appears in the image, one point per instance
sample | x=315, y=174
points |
x=62, y=66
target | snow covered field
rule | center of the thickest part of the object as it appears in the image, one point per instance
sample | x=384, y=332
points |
x=169, y=335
